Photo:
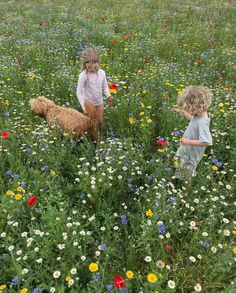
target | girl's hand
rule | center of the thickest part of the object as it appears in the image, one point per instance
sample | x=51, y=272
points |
x=178, y=111
x=185, y=141
x=110, y=98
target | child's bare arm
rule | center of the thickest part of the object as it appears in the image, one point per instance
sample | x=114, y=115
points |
x=194, y=142
x=183, y=113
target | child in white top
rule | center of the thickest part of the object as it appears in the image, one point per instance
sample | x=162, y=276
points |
x=92, y=84
x=193, y=103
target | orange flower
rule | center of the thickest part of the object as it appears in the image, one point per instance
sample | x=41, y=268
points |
x=168, y=247
x=213, y=42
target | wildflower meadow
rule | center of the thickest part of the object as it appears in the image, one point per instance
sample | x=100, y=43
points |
x=79, y=218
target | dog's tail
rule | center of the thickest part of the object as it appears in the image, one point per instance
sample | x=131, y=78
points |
x=90, y=110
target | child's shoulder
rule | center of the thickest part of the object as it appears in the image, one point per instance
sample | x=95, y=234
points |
x=101, y=71
x=83, y=74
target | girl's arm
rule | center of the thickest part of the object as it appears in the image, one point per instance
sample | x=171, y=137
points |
x=80, y=89
x=106, y=90
x=183, y=113
x=194, y=142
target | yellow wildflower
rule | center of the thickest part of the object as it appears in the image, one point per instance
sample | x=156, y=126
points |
x=19, y=189
x=152, y=278
x=149, y=120
x=141, y=113
x=5, y=103
x=93, y=267
x=234, y=250
x=18, y=196
x=53, y=173
x=68, y=278
x=176, y=163
x=149, y=213
x=160, y=150
x=10, y=192
x=2, y=287
x=234, y=232
x=214, y=168
x=220, y=105
x=129, y=274
x=24, y=290
x=131, y=120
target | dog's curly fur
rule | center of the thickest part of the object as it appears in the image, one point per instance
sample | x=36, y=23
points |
x=67, y=119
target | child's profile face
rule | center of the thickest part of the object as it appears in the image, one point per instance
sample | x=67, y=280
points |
x=92, y=65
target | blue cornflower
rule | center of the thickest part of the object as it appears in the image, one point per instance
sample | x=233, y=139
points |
x=150, y=178
x=36, y=290
x=15, y=176
x=27, y=149
x=102, y=246
x=8, y=173
x=167, y=169
x=44, y=168
x=168, y=207
x=158, y=203
x=109, y=287
x=177, y=132
x=205, y=244
x=162, y=228
x=172, y=199
x=129, y=180
x=15, y=280
x=124, y=219
x=96, y=276
x=23, y=185
x=219, y=164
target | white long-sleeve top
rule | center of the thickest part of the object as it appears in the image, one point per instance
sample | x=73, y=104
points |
x=91, y=86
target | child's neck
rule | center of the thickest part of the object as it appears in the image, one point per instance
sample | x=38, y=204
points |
x=204, y=114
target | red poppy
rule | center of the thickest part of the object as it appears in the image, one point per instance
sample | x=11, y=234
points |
x=114, y=42
x=228, y=89
x=141, y=70
x=113, y=86
x=4, y=134
x=168, y=247
x=213, y=42
x=32, y=201
x=162, y=141
x=119, y=282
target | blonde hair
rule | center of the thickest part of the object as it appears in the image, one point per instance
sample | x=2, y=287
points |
x=195, y=100
x=89, y=55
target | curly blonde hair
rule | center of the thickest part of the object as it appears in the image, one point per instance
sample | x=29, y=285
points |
x=195, y=100
x=89, y=55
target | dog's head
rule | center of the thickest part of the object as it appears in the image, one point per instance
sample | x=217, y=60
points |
x=41, y=105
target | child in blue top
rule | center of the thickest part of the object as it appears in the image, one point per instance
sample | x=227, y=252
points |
x=193, y=104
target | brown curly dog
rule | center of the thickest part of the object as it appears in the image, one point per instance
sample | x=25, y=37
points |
x=67, y=119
